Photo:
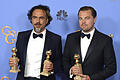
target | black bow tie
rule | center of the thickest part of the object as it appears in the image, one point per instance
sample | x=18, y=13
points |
x=37, y=35
x=87, y=35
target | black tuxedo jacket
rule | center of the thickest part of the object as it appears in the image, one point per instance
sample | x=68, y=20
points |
x=52, y=41
x=99, y=62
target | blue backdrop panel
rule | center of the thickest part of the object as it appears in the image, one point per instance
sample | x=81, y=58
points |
x=13, y=18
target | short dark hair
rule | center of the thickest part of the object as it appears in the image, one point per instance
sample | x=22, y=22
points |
x=42, y=7
x=85, y=8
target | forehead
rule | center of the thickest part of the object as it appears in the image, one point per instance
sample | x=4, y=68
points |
x=37, y=12
x=85, y=13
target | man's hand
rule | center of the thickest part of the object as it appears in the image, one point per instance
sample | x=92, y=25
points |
x=84, y=77
x=75, y=70
x=48, y=66
x=13, y=62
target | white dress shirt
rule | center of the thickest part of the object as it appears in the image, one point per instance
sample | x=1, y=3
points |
x=85, y=42
x=34, y=55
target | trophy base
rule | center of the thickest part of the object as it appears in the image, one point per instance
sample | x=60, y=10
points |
x=78, y=77
x=14, y=71
x=45, y=74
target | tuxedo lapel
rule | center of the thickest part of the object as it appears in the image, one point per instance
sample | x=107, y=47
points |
x=46, y=45
x=25, y=39
x=78, y=45
x=92, y=45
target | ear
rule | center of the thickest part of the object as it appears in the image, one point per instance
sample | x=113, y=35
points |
x=95, y=19
x=47, y=21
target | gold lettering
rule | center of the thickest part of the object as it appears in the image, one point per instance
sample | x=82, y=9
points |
x=5, y=77
x=3, y=29
x=10, y=33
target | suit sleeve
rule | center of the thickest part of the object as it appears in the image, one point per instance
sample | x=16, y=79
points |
x=109, y=61
x=66, y=57
x=58, y=57
x=17, y=46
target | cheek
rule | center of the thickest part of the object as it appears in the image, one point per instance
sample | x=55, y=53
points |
x=33, y=21
x=80, y=22
x=90, y=22
x=44, y=22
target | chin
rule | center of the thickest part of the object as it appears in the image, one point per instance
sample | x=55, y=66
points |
x=86, y=31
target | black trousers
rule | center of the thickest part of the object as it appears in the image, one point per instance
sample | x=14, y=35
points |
x=51, y=77
x=31, y=78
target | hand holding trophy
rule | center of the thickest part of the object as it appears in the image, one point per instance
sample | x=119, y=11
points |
x=48, y=63
x=76, y=57
x=13, y=62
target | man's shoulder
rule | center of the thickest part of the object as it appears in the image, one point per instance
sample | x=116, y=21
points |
x=24, y=32
x=52, y=34
x=102, y=35
x=73, y=34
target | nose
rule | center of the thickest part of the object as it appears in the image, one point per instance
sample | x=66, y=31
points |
x=38, y=19
x=83, y=21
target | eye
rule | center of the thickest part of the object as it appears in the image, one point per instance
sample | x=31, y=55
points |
x=80, y=19
x=42, y=17
x=87, y=18
x=34, y=17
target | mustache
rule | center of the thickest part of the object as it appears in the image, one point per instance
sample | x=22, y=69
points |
x=38, y=23
x=84, y=24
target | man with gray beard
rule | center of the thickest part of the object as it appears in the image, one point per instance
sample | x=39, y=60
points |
x=33, y=44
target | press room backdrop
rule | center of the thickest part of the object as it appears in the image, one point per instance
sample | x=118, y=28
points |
x=13, y=19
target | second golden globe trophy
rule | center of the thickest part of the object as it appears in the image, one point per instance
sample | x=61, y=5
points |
x=76, y=57
x=14, y=69
x=45, y=72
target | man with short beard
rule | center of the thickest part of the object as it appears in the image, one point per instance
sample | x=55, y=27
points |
x=32, y=46
x=95, y=49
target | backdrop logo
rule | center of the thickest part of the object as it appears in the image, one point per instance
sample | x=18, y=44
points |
x=61, y=15
x=10, y=36
x=4, y=78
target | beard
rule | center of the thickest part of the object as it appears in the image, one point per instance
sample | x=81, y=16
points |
x=88, y=29
x=37, y=30
x=39, y=27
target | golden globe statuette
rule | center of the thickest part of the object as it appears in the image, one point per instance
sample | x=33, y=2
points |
x=14, y=69
x=111, y=35
x=45, y=72
x=76, y=57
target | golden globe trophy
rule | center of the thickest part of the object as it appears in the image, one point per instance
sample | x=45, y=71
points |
x=14, y=69
x=111, y=35
x=45, y=72
x=76, y=57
